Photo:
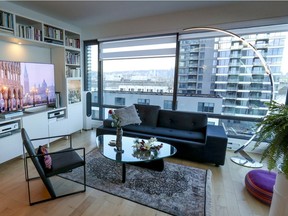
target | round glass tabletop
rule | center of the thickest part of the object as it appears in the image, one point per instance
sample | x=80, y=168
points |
x=132, y=154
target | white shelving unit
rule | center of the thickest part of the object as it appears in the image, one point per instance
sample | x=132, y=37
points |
x=65, y=49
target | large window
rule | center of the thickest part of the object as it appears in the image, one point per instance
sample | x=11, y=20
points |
x=217, y=74
x=91, y=74
x=205, y=107
x=234, y=73
x=138, y=68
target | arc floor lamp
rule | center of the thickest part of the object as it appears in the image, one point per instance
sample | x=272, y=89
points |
x=244, y=159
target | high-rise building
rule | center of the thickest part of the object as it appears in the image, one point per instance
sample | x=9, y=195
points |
x=227, y=67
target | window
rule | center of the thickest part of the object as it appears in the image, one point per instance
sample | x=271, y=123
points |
x=241, y=82
x=91, y=74
x=91, y=66
x=167, y=104
x=142, y=67
x=216, y=73
x=119, y=101
x=205, y=107
x=143, y=101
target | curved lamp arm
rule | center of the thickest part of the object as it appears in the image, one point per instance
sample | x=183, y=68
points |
x=248, y=160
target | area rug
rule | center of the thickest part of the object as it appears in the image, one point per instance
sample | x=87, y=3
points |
x=177, y=190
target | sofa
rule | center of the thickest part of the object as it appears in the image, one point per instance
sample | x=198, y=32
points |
x=189, y=132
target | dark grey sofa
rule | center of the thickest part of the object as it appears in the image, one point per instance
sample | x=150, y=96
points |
x=189, y=132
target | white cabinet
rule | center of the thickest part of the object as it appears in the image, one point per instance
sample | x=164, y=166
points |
x=10, y=139
x=58, y=127
x=75, y=120
x=10, y=147
x=36, y=126
x=57, y=123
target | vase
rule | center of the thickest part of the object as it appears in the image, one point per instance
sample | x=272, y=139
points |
x=280, y=195
x=119, y=134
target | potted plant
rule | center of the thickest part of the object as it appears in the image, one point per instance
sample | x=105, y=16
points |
x=274, y=130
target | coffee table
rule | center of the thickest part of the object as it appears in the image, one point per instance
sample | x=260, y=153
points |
x=130, y=155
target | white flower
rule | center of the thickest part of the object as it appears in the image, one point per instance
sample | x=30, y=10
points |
x=147, y=146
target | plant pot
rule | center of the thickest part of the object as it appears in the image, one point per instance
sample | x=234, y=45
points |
x=279, y=205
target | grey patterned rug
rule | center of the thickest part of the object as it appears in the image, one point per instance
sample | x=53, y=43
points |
x=177, y=190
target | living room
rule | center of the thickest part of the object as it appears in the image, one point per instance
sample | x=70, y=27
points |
x=230, y=197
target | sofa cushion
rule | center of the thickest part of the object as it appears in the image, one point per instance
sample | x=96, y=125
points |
x=148, y=114
x=182, y=120
x=167, y=132
x=128, y=115
x=108, y=123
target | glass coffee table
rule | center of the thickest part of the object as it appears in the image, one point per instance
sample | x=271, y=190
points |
x=152, y=159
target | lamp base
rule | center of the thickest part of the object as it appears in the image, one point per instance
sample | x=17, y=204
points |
x=246, y=163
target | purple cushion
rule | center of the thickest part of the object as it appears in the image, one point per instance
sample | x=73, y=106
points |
x=260, y=184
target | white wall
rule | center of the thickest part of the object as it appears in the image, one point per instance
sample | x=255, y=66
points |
x=24, y=53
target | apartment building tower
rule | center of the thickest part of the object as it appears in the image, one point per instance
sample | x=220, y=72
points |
x=227, y=67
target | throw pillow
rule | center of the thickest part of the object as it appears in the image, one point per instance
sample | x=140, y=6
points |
x=148, y=114
x=45, y=160
x=128, y=115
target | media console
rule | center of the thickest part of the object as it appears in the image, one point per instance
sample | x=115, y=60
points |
x=45, y=123
x=57, y=114
x=9, y=127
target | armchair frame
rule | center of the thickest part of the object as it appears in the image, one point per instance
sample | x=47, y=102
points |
x=60, y=165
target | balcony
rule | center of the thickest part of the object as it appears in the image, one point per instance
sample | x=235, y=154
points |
x=235, y=56
x=234, y=64
x=236, y=47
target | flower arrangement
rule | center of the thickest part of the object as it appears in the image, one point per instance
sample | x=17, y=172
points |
x=145, y=155
x=117, y=121
x=146, y=146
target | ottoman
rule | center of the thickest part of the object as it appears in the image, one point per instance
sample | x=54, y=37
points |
x=260, y=183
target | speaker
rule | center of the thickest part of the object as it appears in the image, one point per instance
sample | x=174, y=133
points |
x=87, y=118
x=88, y=104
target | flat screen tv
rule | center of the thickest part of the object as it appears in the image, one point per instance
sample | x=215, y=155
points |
x=24, y=85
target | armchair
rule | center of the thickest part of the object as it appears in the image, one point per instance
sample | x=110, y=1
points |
x=62, y=161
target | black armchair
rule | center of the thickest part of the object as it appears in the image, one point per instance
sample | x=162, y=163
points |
x=62, y=161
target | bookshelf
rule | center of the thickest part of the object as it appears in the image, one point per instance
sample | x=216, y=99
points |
x=28, y=29
x=6, y=22
x=73, y=58
x=53, y=35
x=72, y=40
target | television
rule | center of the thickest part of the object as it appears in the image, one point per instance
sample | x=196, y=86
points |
x=24, y=85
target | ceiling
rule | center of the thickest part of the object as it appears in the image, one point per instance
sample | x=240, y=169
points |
x=86, y=14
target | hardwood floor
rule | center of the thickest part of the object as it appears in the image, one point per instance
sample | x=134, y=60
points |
x=230, y=197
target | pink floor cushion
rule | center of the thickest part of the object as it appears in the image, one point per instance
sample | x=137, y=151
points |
x=260, y=184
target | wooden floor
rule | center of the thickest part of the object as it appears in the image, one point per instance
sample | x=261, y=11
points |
x=230, y=197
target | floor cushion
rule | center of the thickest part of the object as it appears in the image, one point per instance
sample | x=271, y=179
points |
x=260, y=183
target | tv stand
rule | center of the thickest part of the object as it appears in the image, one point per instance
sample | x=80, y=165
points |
x=11, y=114
x=47, y=123
x=36, y=109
